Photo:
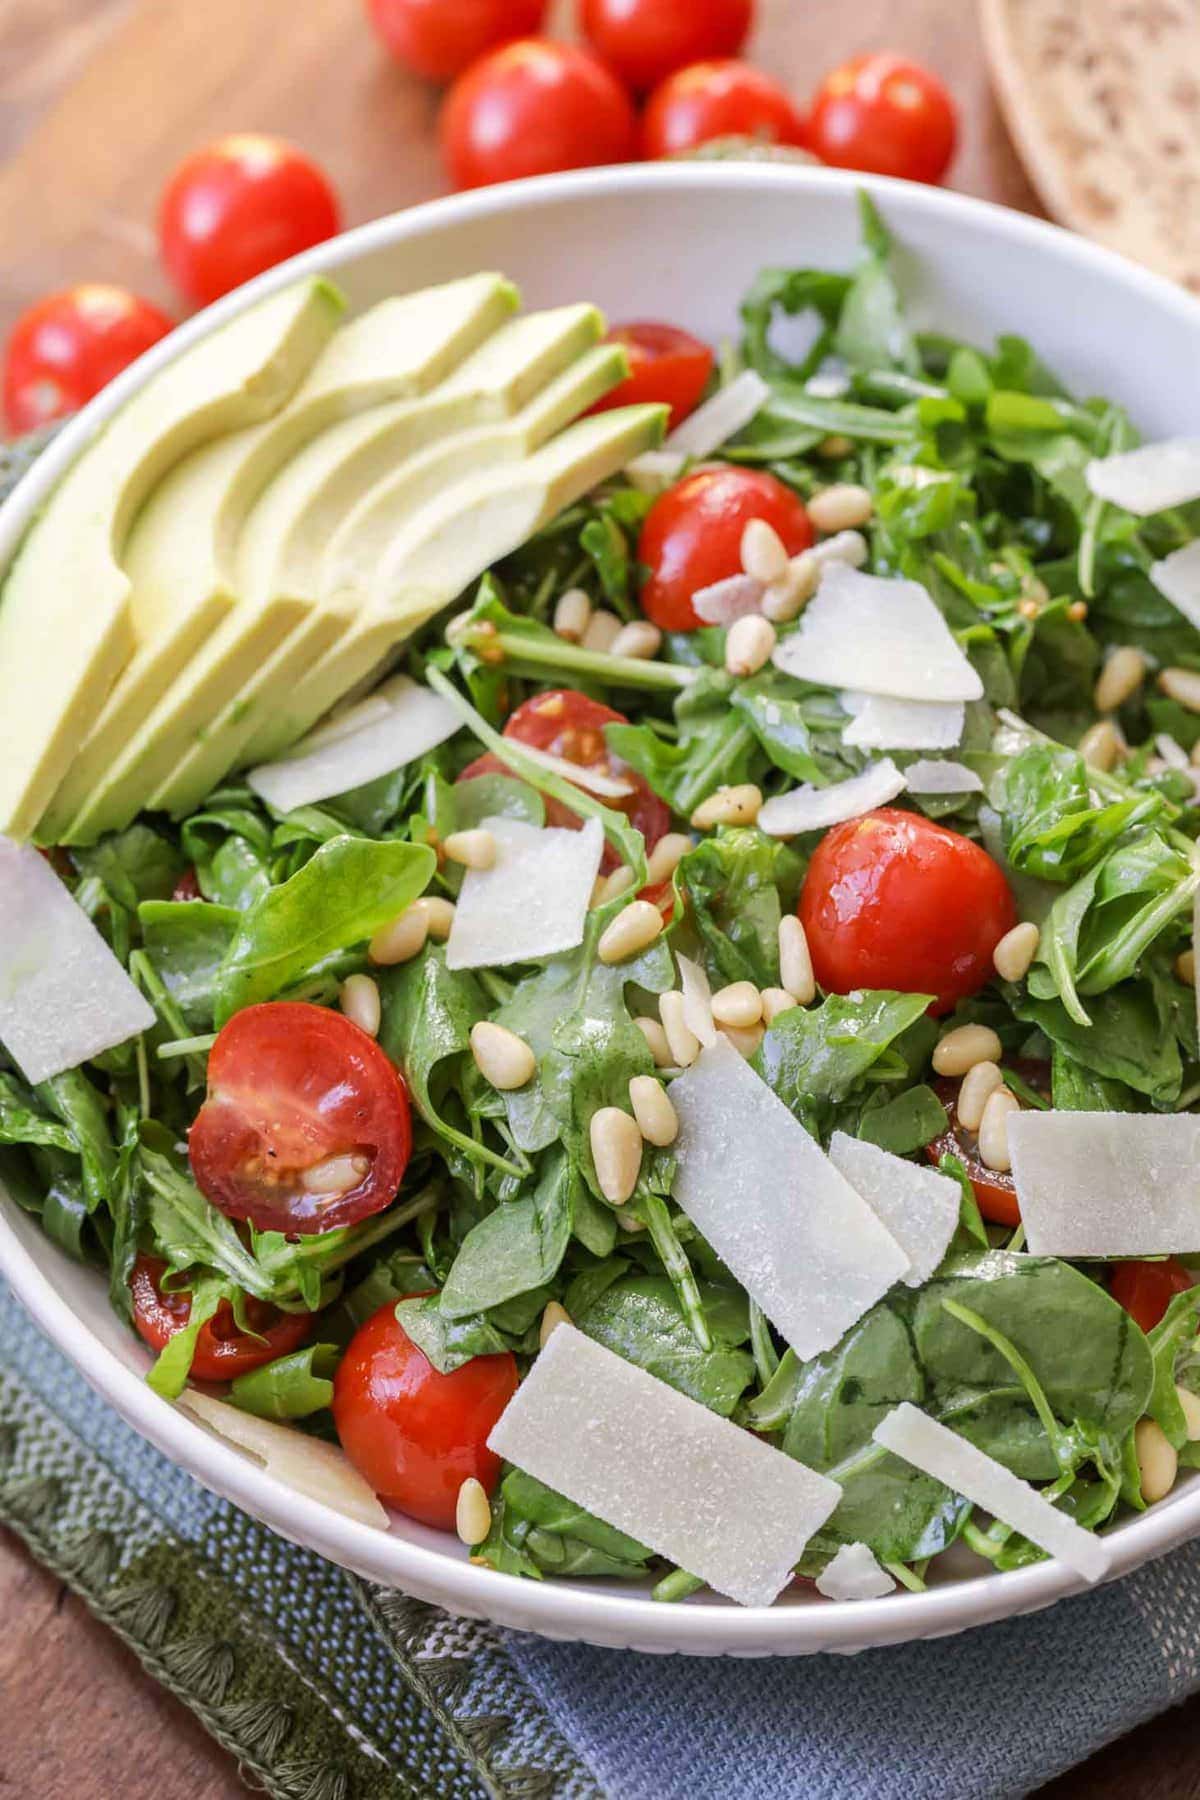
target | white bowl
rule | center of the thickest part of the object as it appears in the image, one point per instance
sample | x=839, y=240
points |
x=681, y=243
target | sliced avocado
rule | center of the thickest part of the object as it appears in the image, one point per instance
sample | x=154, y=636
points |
x=66, y=624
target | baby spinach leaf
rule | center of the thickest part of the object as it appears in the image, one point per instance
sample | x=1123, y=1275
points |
x=814, y=1057
x=72, y=1097
x=641, y=1319
x=187, y=941
x=230, y=847
x=517, y=1247
x=135, y=864
x=1052, y=828
x=903, y=1124
x=732, y=883
x=291, y=1387
x=1125, y=1041
x=449, y=1343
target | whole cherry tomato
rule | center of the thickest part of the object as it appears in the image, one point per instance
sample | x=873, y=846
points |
x=413, y=1434
x=886, y=115
x=240, y=206
x=892, y=900
x=716, y=100
x=533, y=107
x=306, y=1125
x=1146, y=1289
x=692, y=536
x=644, y=41
x=223, y=1350
x=441, y=38
x=665, y=365
x=68, y=346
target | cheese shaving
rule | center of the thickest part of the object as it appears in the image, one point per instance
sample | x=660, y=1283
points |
x=1107, y=1184
x=1149, y=479
x=1177, y=578
x=593, y=781
x=941, y=776
x=879, y=723
x=319, y=1470
x=918, y=1206
x=728, y=600
x=815, y=809
x=877, y=636
x=854, y=1574
x=697, y=1000
x=532, y=903
x=349, y=753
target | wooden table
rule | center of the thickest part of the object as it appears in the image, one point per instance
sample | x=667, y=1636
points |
x=98, y=99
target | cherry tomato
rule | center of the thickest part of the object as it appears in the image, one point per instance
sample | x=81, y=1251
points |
x=187, y=887
x=239, y=206
x=222, y=1349
x=665, y=365
x=416, y=1435
x=892, y=900
x=717, y=100
x=1146, y=1289
x=644, y=41
x=441, y=38
x=531, y=108
x=68, y=346
x=884, y=114
x=692, y=536
x=291, y=1086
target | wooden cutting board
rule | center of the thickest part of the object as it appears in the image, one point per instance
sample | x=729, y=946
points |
x=1102, y=98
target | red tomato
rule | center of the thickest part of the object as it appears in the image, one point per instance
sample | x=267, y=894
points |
x=716, y=100
x=884, y=114
x=692, y=536
x=239, y=206
x=290, y=1086
x=68, y=346
x=531, y=108
x=894, y=901
x=666, y=365
x=187, y=887
x=222, y=1350
x=416, y=1435
x=567, y=724
x=441, y=38
x=1146, y=1289
x=995, y=1192
x=644, y=41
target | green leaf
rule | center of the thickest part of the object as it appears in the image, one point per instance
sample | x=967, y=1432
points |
x=813, y=1057
x=732, y=884
x=292, y=1387
x=641, y=1319
x=904, y=1124
x=80, y=1106
x=134, y=865
x=517, y=1247
x=187, y=941
x=449, y=1343
x=1125, y=1041
x=169, y=1375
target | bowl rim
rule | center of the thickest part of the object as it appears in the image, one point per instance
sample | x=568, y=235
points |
x=565, y=1609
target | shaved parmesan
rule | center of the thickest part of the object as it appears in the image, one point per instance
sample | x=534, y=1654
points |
x=64, y=997
x=941, y=776
x=918, y=1206
x=877, y=636
x=1150, y=479
x=854, y=1574
x=308, y=1465
x=763, y=1193
x=728, y=600
x=1177, y=577
x=690, y=1485
x=729, y=411
x=927, y=1445
x=879, y=723
x=814, y=809
x=654, y=470
x=1171, y=750
x=347, y=755
x=532, y=903
x=1107, y=1184
x=594, y=781
x=697, y=1001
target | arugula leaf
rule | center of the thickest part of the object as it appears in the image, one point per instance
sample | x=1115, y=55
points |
x=173, y=1364
x=187, y=941
x=1125, y=1041
x=1052, y=828
x=449, y=1343
x=813, y=1057
x=292, y=1387
x=134, y=865
x=732, y=884
x=517, y=1247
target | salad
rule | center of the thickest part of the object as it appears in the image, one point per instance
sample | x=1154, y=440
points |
x=742, y=1059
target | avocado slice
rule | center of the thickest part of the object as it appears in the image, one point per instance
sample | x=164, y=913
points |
x=66, y=625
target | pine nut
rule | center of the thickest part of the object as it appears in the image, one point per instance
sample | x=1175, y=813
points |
x=1194, y=758
x=764, y=556
x=656, y=1042
x=1120, y=678
x=554, y=1316
x=666, y=856
x=439, y=916
x=1101, y=746
x=611, y=887
x=1016, y=950
x=336, y=1175
x=1157, y=1460
x=683, y=1042
x=400, y=941
x=749, y=644
x=1077, y=612
x=656, y=1118
x=841, y=508
x=993, y=1129
x=744, y=1042
x=616, y=1151
x=849, y=547
x=729, y=806
x=472, y=1512
x=834, y=447
x=634, y=929
x=628, y=1222
x=788, y=596
x=739, y=1005
x=1185, y=967
x=572, y=615
x=603, y=628
x=473, y=849
x=978, y=1085
x=795, y=962
x=1190, y=1404
x=502, y=1058
x=776, y=1001
x=1182, y=685
x=641, y=640
x=960, y=1049
x=359, y=999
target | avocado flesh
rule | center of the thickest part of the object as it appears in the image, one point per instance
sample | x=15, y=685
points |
x=66, y=616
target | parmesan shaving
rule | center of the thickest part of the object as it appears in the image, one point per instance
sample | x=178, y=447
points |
x=319, y=1470
x=697, y=1001
x=1107, y=1184
x=815, y=809
x=729, y=411
x=917, y=1205
x=593, y=781
x=941, y=776
x=1177, y=578
x=1149, y=479
x=878, y=723
x=877, y=636
x=854, y=1574
x=349, y=753
x=532, y=903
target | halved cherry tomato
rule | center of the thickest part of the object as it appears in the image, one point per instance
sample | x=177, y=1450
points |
x=531, y=108
x=291, y=1086
x=1146, y=1289
x=187, y=887
x=644, y=41
x=239, y=206
x=415, y=1435
x=68, y=346
x=884, y=114
x=892, y=900
x=223, y=1350
x=692, y=536
x=441, y=38
x=717, y=100
x=568, y=724
x=665, y=365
